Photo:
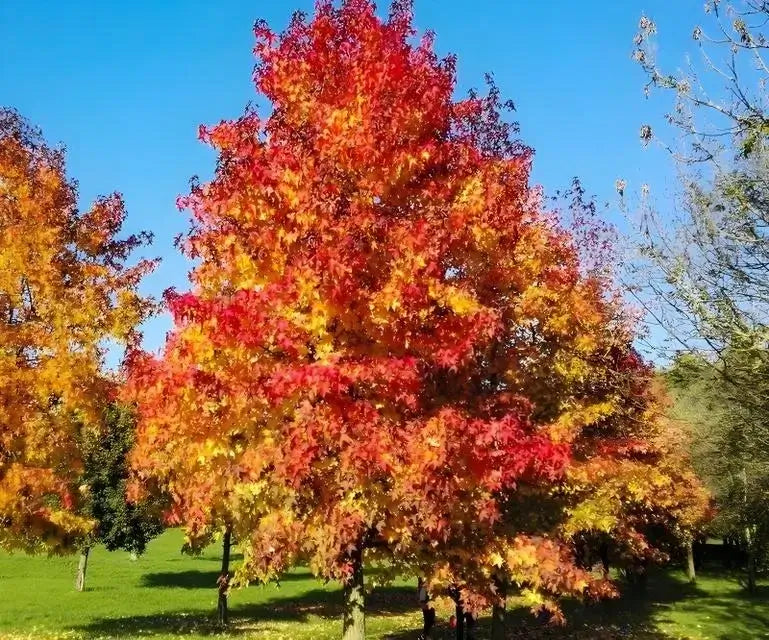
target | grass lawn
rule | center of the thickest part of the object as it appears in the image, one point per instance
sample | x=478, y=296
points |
x=164, y=594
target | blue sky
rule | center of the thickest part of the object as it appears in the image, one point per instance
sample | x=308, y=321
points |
x=125, y=86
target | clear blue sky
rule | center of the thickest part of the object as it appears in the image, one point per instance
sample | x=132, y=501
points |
x=125, y=85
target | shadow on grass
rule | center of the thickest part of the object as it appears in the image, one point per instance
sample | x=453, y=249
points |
x=729, y=613
x=632, y=617
x=197, y=579
x=234, y=557
x=384, y=601
x=181, y=580
x=721, y=605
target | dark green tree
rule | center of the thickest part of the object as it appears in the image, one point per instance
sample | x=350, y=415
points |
x=121, y=524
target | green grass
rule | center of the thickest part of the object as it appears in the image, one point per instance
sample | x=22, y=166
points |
x=165, y=594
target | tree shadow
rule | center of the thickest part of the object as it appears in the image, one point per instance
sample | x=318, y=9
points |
x=181, y=580
x=483, y=632
x=726, y=611
x=383, y=601
x=198, y=579
x=631, y=617
x=638, y=609
x=297, y=575
x=731, y=614
x=234, y=557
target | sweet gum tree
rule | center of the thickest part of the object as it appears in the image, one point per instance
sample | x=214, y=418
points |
x=389, y=345
x=65, y=288
x=634, y=496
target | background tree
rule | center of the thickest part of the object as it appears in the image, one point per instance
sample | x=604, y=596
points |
x=389, y=347
x=729, y=451
x=120, y=524
x=65, y=289
x=707, y=267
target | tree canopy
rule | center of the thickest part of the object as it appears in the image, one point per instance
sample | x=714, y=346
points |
x=390, y=345
x=66, y=287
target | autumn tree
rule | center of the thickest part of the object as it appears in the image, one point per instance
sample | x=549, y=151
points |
x=640, y=500
x=625, y=495
x=66, y=288
x=388, y=349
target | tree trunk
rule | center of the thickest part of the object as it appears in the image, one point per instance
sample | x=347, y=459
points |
x=82, y=568
x=460, y=613
x=498, y=612
x=470, y=622
x=354, y=621
x=690, y=571
x=751, y=560
x=223, y=583
x=751, y=571
x=749, y=546
x=604, y=553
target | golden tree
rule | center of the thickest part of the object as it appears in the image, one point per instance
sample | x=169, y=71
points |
x=65, y=289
